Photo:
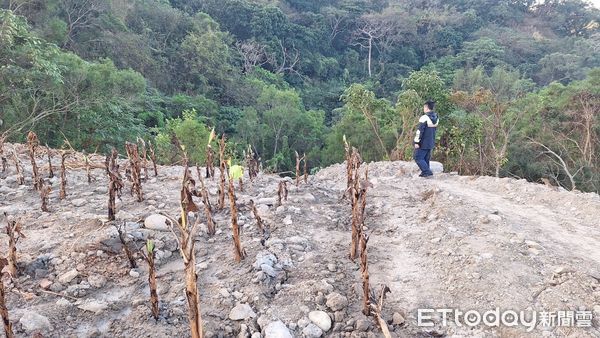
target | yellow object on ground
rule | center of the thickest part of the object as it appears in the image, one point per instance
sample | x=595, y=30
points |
x=236, y=172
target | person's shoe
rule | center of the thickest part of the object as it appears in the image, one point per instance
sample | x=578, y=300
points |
x=427, y=176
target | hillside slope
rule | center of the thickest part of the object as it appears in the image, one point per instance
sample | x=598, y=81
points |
x=470, y=243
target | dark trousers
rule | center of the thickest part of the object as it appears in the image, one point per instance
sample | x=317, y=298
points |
x=422, y=157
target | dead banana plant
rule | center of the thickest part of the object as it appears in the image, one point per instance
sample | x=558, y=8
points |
x=348, y=156
x=358, y=198
x=282, y=192
x=210, y=156
x=144, y=155
x=3, y=309
x=18, y=168
x=239, y=251
x=88, y=169
x=305, y=169
x=13, y=230
x=210, y=224
x=134, y=163
x=122, y=231
x=298, y=160
x=152, y=157
x=185, y=233
x=376, y=308
x=63, y=175
x=50, y=169
x=45, y=190
x=251, y=163
x=364, y=271
x=115, y=183
x=150, y=255
x=264, y=228
x=223, y=171
x=2, y=157
x=32, y=144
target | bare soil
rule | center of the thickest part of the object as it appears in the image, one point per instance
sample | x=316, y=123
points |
x=448, y=242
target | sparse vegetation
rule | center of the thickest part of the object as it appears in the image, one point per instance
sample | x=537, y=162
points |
x=134, y=167
x=32, y=143
x=122, y=231
x=115, y=183
x=13, y=230
x=185, y=234
x=63, y=175
x=8, y=331
x=50, y=169
x=282, y=192
x=150, y=256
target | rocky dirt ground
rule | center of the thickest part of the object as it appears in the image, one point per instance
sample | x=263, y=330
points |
x=470, y=243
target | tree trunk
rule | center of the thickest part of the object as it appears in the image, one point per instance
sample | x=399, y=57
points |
x=370, y=51
x=193, y=298
x=4, y=312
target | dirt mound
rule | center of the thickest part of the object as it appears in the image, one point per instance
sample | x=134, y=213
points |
x=469, y=243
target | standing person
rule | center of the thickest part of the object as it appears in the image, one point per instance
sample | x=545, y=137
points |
x=425, y=138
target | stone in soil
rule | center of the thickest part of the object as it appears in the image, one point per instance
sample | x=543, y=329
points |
x=68, y=276
x=156, y=222
x=277, y=330
x=93, y=305
x=312, y=331
x=336, y=302
x=397, y=319
x=241, y=312
x=321, y=319
x=32, y=321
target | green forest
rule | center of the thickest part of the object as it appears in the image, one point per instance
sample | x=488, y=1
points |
x=517, y=82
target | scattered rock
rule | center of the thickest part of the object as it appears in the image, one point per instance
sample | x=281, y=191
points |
x=134, y=273
x=264, y=258
x=533, y=244
x=93, y=305
x=277, y=330
x=57, y=287
x=321, y=319
x=45, y=284
x=287, y=220
x=266, y=200
x=436, y=167
x=79, y=202
x=308, y=197
x=63, y=302
x=33, y=321
x=268, y=270
x=156, y=222
x=243, y=331
x=494, y=218
x=336, y=302
x=312, y=331
x=241, y=312
x=362, y=324
x=398, y=319
x=68, y=276
x=97, y=281
x=562, y=269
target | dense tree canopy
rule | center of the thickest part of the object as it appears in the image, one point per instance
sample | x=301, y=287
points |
x=516, y=81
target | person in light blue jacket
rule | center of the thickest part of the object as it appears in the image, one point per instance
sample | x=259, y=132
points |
x=425, y=138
